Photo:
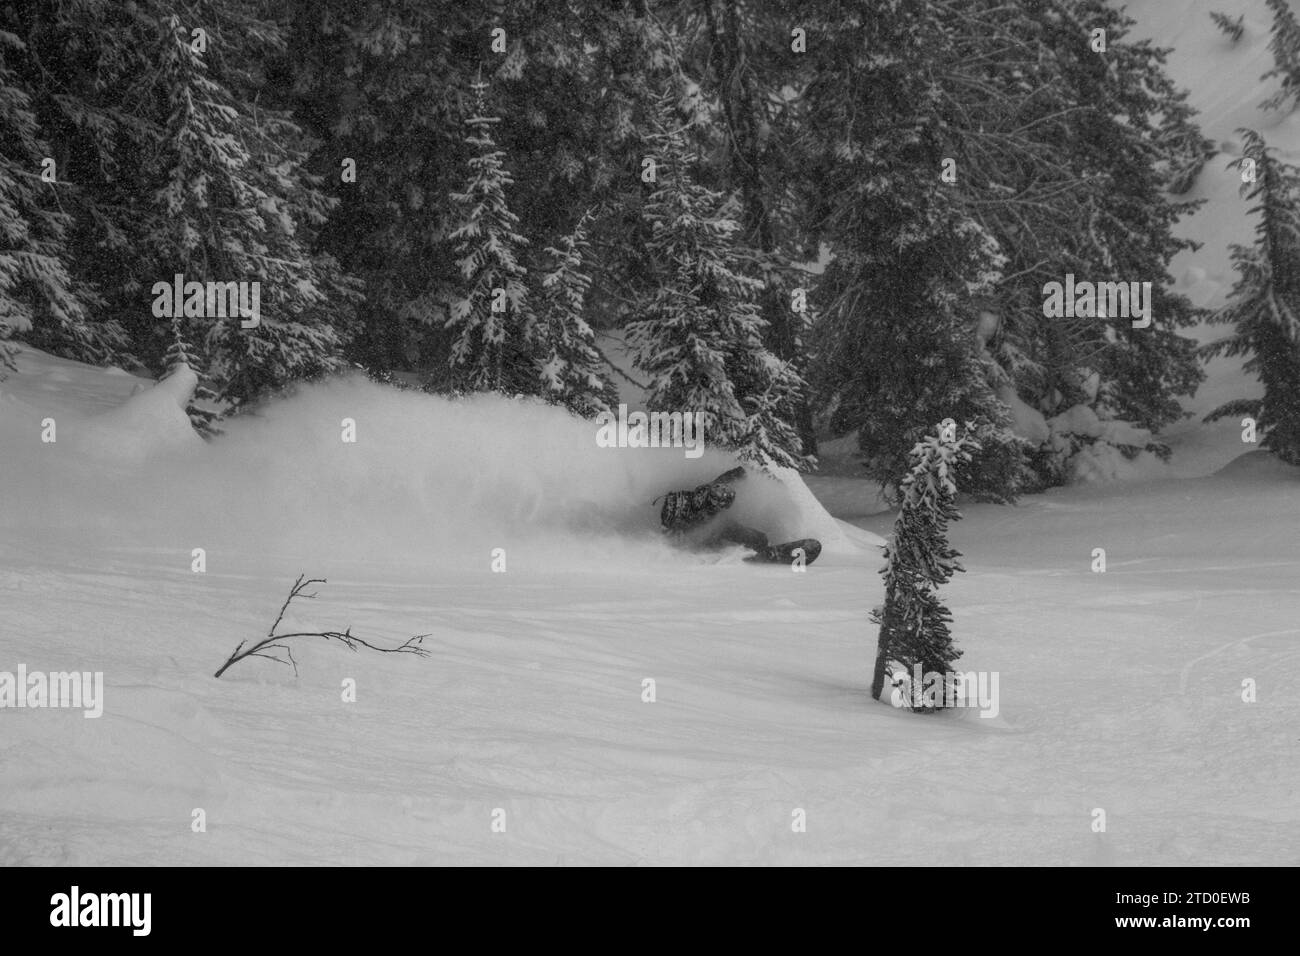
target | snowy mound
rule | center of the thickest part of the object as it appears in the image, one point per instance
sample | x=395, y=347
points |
x=349, y=469
x=1258, y=466
x=149, y=425
x=803, y=516
x=45, y=427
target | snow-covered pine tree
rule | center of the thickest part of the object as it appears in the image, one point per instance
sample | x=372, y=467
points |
x=384, y=84
x=1264, y=306
x=1062, y=162
x=40, y=300
x=1285, y=47
x=179, y=156
x=381, y=85
x=237, y=204
x=1136, y=122
x=699, y=332
x=573, y=372
x=496, y=341
x=750, y=98
x=180, y=355
x=894, y=350
x=913, y=621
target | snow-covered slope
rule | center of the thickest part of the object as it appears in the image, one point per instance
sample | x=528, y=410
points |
x=1119, y=691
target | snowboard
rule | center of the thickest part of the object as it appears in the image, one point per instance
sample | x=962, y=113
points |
x=785, y=553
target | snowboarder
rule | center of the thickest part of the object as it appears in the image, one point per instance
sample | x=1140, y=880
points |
x=695, y=518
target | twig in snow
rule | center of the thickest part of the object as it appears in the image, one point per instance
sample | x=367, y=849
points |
x=274, y=641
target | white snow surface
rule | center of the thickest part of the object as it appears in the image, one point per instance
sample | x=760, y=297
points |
x=1118, y=690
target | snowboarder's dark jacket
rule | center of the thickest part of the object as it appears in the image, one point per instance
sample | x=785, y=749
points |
x=689, y=517
x=684, y=510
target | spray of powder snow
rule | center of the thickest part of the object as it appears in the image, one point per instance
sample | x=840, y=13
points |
x=429, y=482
